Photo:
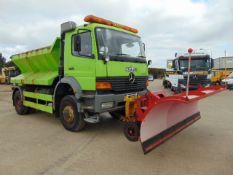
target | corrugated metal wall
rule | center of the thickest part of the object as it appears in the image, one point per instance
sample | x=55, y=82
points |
x=222, y=62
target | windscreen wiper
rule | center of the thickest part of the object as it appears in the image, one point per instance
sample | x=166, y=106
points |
x=122, y=54
x=141, y=56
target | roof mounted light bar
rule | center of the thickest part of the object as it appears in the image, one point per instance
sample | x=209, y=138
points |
x=92, y=18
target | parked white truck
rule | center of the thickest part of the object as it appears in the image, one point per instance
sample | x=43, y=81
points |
x=177, y=70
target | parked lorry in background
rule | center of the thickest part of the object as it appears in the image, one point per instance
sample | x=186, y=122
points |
x=176, y=73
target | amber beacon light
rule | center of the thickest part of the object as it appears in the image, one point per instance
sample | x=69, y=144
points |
x=92, y=18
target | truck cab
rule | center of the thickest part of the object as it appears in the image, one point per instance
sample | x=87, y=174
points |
x=107, y=62
x=200, y=75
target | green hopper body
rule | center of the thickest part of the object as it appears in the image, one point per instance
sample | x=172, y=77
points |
x=38, y=66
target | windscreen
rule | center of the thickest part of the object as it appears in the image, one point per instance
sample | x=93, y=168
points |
x=196, y=64
x=119, y=46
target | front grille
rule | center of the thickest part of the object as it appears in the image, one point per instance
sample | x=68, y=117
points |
x=122, y=84
x=197, y=79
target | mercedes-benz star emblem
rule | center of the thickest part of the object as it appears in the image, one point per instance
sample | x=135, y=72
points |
x=131, y=77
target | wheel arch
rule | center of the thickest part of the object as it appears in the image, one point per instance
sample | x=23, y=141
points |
x=66, y=86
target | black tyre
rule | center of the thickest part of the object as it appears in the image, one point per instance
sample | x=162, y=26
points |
x=71, y=119
x=177, y=90
x=172, y=89
x=169, y=85
x=18, y=103
x=132, y=131
x=165, y=84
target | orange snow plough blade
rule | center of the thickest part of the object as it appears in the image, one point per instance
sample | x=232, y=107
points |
x=162, y=117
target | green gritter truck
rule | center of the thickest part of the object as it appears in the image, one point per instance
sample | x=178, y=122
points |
x=88, y=70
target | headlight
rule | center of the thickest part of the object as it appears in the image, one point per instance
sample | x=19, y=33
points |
x=107, y=105
x=182, y=86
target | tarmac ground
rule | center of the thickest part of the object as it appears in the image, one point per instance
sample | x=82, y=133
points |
x=37, y=143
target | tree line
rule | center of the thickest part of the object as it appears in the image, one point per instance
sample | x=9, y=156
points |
x=5, y=63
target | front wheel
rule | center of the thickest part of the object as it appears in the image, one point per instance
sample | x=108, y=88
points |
x=177, y=90
x=165, y=84
x=71, y=119
x=132, y=131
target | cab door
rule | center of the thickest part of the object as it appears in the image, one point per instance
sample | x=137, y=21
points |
x=79, y=58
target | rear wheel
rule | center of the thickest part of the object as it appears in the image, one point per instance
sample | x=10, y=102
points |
x=71, y=119
x=132, y=131
x=18, y=103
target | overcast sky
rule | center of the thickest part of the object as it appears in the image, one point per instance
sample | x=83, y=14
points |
x=166, y=26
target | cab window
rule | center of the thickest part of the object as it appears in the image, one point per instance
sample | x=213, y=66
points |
x=82, y=45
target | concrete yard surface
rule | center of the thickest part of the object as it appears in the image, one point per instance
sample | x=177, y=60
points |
x=37, y=144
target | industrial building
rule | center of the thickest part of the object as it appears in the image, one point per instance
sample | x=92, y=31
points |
x=222, y=63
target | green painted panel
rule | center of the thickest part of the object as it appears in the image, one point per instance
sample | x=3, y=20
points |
x=39, y=96
x=41, y=107
x=37, y=78
x=83, y=68
x=118, y=68
x=39, y=67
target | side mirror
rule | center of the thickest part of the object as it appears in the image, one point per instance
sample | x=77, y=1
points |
x=106, y=56
x=212, y=63
x=77, y=43
x=106, y=59
x=149, y=62
x=144, y=46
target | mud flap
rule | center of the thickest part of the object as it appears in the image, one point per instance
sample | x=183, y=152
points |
x=164, y=121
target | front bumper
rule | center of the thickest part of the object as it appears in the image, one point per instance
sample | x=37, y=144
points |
x=193, y=84
x=95, y=104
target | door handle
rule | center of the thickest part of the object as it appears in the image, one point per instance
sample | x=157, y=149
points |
x=71, y=68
